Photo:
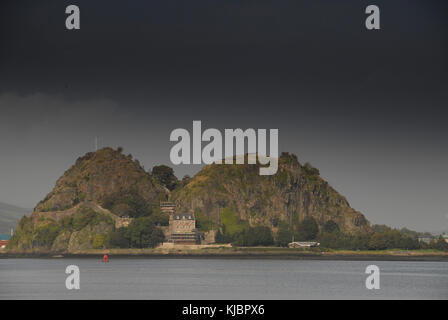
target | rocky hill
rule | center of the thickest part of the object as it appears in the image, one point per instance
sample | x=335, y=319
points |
x=91, y=198
x=87, y=201
x=238, y=192
x=99, y=177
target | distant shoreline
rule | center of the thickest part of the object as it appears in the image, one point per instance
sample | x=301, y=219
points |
x=243, y=253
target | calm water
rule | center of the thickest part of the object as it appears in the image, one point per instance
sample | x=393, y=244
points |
x=220, y=279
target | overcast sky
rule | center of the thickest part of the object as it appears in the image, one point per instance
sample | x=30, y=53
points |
x=368, y=108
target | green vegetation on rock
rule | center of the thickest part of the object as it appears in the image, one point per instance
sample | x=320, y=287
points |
x=203, y=222
x=46, y=234
x=141, y=233
x=129, y=203
x=50, y=234
x=231, y=222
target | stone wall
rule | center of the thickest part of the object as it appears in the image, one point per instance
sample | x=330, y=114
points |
x=209, y=237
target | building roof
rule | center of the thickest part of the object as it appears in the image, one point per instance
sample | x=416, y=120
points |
x=182, y=216
x=5, y=236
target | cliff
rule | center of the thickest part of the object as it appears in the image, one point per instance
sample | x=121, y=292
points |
x=221, y=191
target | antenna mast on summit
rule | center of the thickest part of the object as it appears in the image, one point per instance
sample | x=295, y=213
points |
x=96, y=144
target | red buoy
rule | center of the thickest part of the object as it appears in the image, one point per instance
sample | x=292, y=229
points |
x=105, y=258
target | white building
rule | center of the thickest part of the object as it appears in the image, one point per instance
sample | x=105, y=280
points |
x=303, y=244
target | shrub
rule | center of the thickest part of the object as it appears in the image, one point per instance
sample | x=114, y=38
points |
x=257, y=236
x=224, y=236
x=142, y=233
x=165, y=176
x=45, y=235
x=82, y=218
x=307, y=229
x=130, y=203
x=118, y=239
x=231, y=222
x=330, y=226
x=159, y=218
x=439, y=244
x=310, y=170
x=203, y=222
x=284, y=235
x=85, y=216
x=98, y=241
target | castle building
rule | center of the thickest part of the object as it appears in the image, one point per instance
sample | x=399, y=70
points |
x=182, y=226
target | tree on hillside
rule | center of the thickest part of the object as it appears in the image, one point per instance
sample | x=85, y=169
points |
x=380, y=241
x=256, y=236
x=45, y=235
x=118, y=239
x=284, y=235
x=219, y=238
x=308, y=229
x=392, y=239
x=129, y=204
x=380, y=228
x=310, y=170
x=159, y=218
x=165, y=176
x=186, y=180
x=330, y=226
x=262, y=235
x=142, y=233
x=439, y=244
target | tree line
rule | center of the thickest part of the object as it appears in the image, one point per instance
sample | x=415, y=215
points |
x=329, y=236
x=142, y=232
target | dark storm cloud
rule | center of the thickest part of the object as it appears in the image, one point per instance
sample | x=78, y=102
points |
x=368, y=108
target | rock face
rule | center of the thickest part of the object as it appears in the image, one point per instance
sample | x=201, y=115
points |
x=290, y=195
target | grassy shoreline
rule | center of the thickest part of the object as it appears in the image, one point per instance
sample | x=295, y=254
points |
x=242, y=253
